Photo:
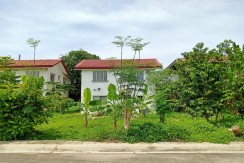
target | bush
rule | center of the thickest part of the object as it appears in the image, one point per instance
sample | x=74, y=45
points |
x=153, y=132
x=57, y=103
x=72, y=109
x=146, y=132
x=22, y=108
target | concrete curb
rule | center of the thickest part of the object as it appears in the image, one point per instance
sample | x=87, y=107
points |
x=96, y=147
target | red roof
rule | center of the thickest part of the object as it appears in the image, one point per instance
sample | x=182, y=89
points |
x=171, y=65
x=38, y=63
x=109, y=64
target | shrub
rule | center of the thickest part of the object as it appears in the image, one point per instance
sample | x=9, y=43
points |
x=58, y=103
x=22, y=108
x=72, y=109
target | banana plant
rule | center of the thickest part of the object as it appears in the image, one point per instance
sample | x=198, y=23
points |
x=144, y=102
x=86, y=101
x=99, y=106
x=113, y=97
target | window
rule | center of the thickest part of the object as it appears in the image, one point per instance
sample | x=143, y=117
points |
x=59, y=78
x=52, y=77
x=65, y=80
x=148, y=71
x=140, y=76
x=99, y=76
x=32, y=73
x=99, y=97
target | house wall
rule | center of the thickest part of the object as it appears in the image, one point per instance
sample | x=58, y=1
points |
x=97, y=88
x=58, y=70
x=100, y=88
x=59, y=73
x=42, y=72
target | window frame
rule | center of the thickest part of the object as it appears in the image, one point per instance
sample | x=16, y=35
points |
x=100, y=76
x=104, y=98
x=140, y=76
x=52, y=79
x=32, y=73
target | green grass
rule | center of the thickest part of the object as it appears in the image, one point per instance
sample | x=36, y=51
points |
x=178, y=127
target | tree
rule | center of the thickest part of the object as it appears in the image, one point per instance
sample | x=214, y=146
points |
x=166, y=95
x=56, y=101
x=33, y=43
x=127, y=76
x=6, y=72
x=22, y=108
x=137, y=45
x=120, y=42
x=209, y=79
x=235, y=74
x=71, y=59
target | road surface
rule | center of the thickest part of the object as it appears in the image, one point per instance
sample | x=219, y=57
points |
x=122, y=157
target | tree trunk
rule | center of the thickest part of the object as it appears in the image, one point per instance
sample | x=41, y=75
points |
x=60, y=110
x=222, y=116
x=143, y=113
x=206, y=115
x=217, y=115
x=127, y=117
x=161, y=118
x=115, y=123
x=86, y=121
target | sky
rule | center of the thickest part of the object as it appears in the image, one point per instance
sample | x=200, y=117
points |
x=171, y=26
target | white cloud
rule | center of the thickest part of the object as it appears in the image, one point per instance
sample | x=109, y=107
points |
x=172, y=27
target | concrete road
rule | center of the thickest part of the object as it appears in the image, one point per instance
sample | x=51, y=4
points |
x=123, y=157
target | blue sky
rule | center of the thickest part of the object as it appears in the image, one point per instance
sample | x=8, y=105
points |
x=171, y=26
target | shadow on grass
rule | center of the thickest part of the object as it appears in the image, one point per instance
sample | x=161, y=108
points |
x=49, y=134
x=227, y=121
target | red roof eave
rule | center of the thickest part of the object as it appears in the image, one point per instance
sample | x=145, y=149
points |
x=110, y=64
x=39, y=64
x=81, y=68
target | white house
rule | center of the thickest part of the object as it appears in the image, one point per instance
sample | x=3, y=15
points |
x=52, y=70
x=96, y=74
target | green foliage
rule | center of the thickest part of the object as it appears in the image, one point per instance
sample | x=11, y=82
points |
x=58, y=103
x=7, y=75
x=86, y=102
x=129, y=86
x=56, y=100
x=144, y=102
x=235, y=74
x=32, y=42
x=68, y=127
x=115, y=104
x=127, y=76
x=166, y=94
x=99, y=107
x=71, y=59
x=210, y=80
x=22, y=108
x=112, y=95
x=177, y=127
x=56, y=88
x=72, y=109
x=87, y=97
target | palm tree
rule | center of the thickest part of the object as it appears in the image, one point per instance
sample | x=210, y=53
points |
x=33, y=43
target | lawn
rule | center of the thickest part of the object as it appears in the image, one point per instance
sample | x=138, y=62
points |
x=178, y=127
